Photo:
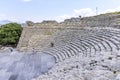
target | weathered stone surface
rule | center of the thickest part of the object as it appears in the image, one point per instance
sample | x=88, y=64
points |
x=49, y=21
x=30, y=23
x=117, y=77
x=6, y=49
x=78, y=68
x=85, y=54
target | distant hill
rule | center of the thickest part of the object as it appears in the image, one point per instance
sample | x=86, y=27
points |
x=4, y=22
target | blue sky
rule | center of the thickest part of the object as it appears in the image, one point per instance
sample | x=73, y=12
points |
x=38, y=10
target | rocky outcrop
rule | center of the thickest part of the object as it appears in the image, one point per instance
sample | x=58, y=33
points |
x=49, y=21
x=103, y=20
x=6, y=49
x=30, y=23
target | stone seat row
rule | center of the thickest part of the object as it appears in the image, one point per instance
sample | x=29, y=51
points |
x=88, y=45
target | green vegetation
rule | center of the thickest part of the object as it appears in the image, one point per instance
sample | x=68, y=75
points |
x=114, y=13
x=10, y=34
x=110, y=13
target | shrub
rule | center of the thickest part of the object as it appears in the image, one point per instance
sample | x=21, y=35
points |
x=10, y=34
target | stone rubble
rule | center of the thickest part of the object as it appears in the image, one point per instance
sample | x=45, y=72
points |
x=104, y=67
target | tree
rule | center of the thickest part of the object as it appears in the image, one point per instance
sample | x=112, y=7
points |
x=10, y=34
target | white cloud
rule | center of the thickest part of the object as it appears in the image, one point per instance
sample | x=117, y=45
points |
x=8, y=17
x=61, y=18
x=65, y=16
x=3, y=16
x=26, y=0
x=112, y=10
x=77, y=12
x=84, y=12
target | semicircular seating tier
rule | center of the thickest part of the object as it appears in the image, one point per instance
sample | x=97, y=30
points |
x=85, y=42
